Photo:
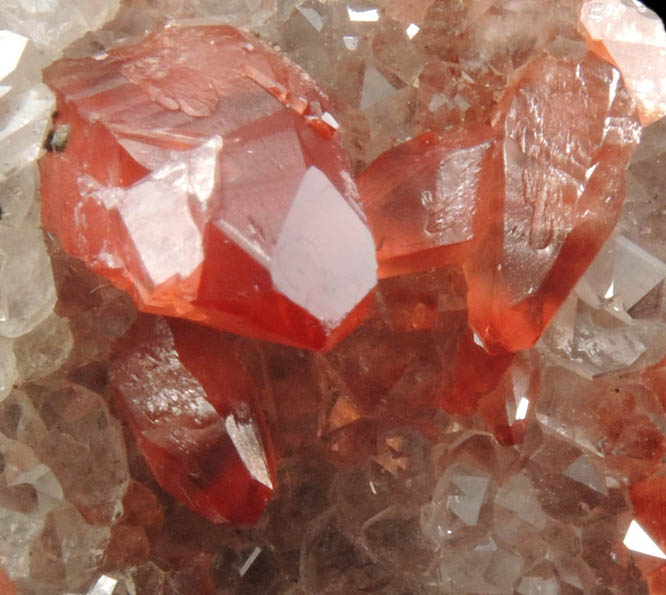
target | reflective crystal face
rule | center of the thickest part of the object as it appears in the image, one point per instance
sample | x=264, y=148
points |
x=192, y=408
x=259, y=231
x=560, y=196
x=633, y=38
x=421, y=199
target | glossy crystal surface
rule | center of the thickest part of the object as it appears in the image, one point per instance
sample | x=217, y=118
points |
x=225, y=143
x=193, y=409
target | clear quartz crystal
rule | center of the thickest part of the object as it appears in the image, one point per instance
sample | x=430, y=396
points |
x=27, y=293
x=37, y=20
x=615, y=317
x=45, y=349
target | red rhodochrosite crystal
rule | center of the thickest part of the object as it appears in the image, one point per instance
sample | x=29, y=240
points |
x=201, y=176
x=559, y=199
x=185, y=393
x=420, y=199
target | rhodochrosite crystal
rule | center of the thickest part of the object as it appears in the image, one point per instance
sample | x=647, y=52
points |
x=201, y=174
x=192, y=408
x=560, y=196
x=486, y=417
x=422, y=197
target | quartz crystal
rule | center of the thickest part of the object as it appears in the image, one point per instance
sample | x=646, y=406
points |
x=398, y=435
x=35, y=19
x=271, y=247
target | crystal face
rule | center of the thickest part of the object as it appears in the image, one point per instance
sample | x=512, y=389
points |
x=192, y=408
x=633, y=38
x=422, y=445
x=561, y=194
x=421, y=199
x=230, y=149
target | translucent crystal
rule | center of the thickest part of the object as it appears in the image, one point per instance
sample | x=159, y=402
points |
x=423, y=198
x=195, y=417
x=27, y=293
x=8, y=372
x=277, y=249
x=367, y=63
x=554, y=189
x=38, y=521
x=584, y=411
x=35, y=20
x=644, y=217
x=26, y=104
x=620, y=277
x=104, y=585
x=17, y=190
x=614, y=317
x=43, y=350
x=633, y=37
x=24, y=121
x=473, y=50
x=78, y=429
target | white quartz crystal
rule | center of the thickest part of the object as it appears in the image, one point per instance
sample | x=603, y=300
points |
x=27, y=293
x=54, y=24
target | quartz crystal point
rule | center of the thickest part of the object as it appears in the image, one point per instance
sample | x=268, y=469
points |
x=560, y=196
x=191, y=405
x=632, y=37
x=199, y=171
x=509, y=408
x=421, y=199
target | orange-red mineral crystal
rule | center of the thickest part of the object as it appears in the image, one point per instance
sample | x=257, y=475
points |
x=524, y=206
x=566, y=131
x=202, y=174
x=192, y=407
x=421, y=199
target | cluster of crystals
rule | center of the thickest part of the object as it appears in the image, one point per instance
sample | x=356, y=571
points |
x=420, y=455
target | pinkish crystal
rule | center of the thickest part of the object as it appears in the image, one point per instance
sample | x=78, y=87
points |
x=191, y=405
x=201, y=176
x=560, y=196
x=632, y=37
x=421, y=199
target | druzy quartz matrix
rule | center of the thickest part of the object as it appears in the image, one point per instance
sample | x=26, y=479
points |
x=332, y=297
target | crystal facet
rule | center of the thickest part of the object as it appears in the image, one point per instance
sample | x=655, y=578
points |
x=422, y=197
x=632, y=37
x=227, y=146
x=192, y=408
x=560, y=197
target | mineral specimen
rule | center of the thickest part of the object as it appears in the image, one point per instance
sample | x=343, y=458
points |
x=426, y=451
x=230, y=148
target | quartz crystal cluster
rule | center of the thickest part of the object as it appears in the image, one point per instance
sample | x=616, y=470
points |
x=325, y=297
